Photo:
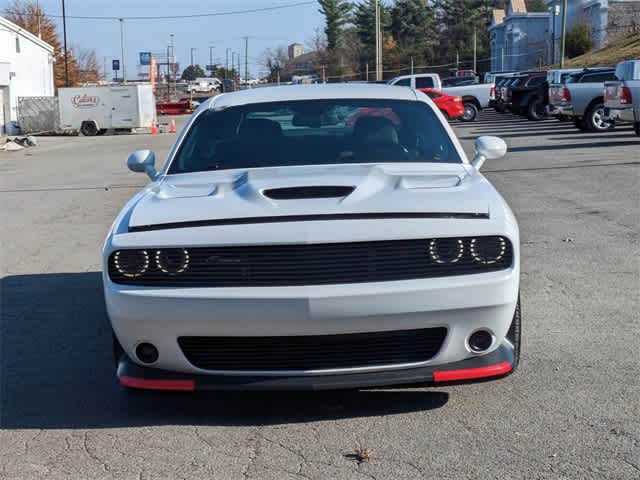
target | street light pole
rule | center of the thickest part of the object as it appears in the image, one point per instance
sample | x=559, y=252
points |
x=192, y=50
x=211, y=59
x=124, y=75
x=226, y=69
x=64, y=32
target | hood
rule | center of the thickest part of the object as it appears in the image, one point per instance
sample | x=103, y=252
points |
x=312, y=190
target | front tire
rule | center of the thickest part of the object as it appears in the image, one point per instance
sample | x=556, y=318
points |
x=514, y=335
x=118, y=351
x=595, y=119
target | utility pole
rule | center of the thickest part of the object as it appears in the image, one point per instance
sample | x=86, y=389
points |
x=246, y=59
x=124, y=73
x=211, y=59
x=171, y=61
x=64, y=33
x=411, y=64
x=564, y=32
x=168, y=71
x=378, y=44
x=457, y=60
x=192, y=50
x=104, y=67
x=226, y=67
x=367, y=72
x=324, y=74
x=475, y=51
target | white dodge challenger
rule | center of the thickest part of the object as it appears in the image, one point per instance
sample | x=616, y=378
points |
x=314, y=237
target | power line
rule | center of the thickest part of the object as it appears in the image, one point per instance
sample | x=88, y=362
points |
x=173, y=17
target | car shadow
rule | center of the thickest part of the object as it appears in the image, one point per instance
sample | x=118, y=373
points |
x=571, y=146
x=56, y=371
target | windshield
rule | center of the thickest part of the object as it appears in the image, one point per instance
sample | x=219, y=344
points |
x=314, y=132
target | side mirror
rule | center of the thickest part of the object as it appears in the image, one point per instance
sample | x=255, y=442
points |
x=488, y=148
x=143, y=161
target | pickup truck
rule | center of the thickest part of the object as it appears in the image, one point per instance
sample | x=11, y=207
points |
x=205, y=85
x=474, y=97
x=622, y=97
x=521, y=98
x=531, y=99
x=581, y=98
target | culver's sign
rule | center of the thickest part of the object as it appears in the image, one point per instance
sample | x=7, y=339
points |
x=85, y=101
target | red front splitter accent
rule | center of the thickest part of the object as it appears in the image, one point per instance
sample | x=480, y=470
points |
x=501, y=368
x=150, y=384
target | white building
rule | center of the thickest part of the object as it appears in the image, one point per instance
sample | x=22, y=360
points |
x=26, y=70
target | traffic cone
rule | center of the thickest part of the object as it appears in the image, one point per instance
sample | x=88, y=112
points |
x=154, y=128
x=172, y=126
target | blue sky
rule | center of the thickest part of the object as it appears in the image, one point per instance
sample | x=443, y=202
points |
x=265, y=29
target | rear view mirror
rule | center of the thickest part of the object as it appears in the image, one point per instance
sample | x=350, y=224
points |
x=488, y=148
x=143, y=161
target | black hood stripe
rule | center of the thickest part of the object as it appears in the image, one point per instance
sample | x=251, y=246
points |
x=307, y=218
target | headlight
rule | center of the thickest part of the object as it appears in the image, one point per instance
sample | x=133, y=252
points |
x=446, y=250
x=172, y=261
x=131, y=263
x=488, y=250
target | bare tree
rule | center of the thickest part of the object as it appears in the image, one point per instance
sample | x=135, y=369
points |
x=274, y=60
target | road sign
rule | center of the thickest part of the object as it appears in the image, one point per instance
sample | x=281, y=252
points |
x=115, y=65
x=145, y=58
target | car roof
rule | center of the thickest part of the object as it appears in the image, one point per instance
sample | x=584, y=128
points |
x=311, y=92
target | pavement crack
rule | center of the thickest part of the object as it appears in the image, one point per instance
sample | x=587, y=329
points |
x=631, y=464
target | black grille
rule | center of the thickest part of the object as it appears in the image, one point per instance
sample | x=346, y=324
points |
x=313, y=264
x=293, y=193
x=313, y=352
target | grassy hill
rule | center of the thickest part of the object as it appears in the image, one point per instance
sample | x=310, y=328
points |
x=627, y=48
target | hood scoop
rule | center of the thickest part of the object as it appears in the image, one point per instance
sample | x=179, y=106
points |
x=306, y=192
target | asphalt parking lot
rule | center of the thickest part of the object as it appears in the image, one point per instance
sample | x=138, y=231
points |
x=571, y=411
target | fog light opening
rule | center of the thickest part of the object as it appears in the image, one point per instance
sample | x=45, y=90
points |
x=147, y=353
x=480, y=341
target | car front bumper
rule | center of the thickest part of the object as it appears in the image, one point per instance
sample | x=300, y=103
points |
x=497, y=364
x=461, y=304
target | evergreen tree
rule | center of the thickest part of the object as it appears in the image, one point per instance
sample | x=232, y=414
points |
x=336, y=15
x=413, y=28
x=364, y=20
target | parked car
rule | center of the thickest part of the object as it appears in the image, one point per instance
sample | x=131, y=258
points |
x=521, y=96
x=500, y=91
x=528, y=98
x=474, y=97
x=280, y=249
x=205, y=85
x=581, y=98
x=622, y=97
x=450, y=106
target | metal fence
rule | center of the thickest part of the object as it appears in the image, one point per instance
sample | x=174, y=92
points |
x=38, y=114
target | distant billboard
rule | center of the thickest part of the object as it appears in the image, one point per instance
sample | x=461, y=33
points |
x=145, y=58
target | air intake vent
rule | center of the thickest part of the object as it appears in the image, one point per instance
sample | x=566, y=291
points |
x=313, y=352
x=296, y=193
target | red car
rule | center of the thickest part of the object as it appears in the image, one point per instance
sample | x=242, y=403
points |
x=450, y=106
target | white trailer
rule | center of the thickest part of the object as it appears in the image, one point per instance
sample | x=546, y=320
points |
x=94, y=110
